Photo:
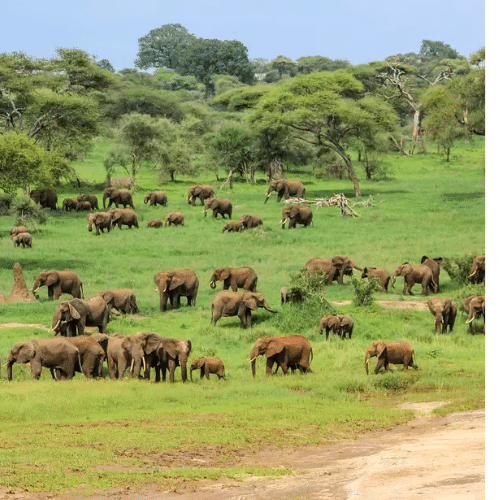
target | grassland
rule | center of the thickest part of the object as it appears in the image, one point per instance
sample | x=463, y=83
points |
x=102, y=433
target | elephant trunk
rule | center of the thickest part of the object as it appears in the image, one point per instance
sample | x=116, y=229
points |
x=267, y=197
x=253, y=357
x=184, y=372
x=267, y=308
x=213, y=284
x=367, y=357
x=10, y=362
x=439, y=323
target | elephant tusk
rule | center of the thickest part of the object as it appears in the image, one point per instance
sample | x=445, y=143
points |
x=469, y=320
x=213, y=284
x=54, y=329
x=253, y=359
x=470, y=275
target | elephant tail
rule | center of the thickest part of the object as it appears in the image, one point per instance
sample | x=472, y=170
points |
x=81, y=288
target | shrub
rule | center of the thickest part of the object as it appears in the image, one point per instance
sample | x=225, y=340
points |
x=25, y=211
x=305, y=287
x=458, y=268
x=5, y=203
x=363, y=290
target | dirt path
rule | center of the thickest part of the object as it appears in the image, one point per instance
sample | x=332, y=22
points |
x=429, y=458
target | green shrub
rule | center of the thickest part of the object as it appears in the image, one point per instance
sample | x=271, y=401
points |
x=5, y=203
x=305, y=287
x=458, y=268
x=25, y=212
x=363, y=290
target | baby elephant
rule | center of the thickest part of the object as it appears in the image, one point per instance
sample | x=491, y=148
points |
x=207, y=366
x=397, y=353
x=445, y=312
x=378, y=273
x=23, y=239
x=174, y=219
x=233, y=227
x=155, y=223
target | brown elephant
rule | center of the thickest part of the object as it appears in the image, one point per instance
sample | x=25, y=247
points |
x=124, y=217
x=208, y=366
x=335, y=268
x=174, y=219
x=46, y=198
x=91, y=357
x=24, y=239
x=91, y=198
x=228, y=303
x=173, y=285
x=54, y=353
x=285, y=296
x=118, y=359
x=346, y=326
x=18, y=229
x=156, y=198
x=142, y=347
x=329, y=323
x=155, y=223
x=293, y=351
x=296, y=214
x=477, y=273
x=74, y=315
x=171, y=354
x=99, y=220
x=83, y=206
x=397, y=353
x=233, y=227
x=419, y=273
x=251, y=221
x=218, y=206
x=379, y=273
x=118, y=197
x=59, y=282
x=434, y=265
x=475, y=307
x=69, y=204
x=286, y=189
x=444, y=311
x=234, y=278
x=201, y=192
x=121, y=299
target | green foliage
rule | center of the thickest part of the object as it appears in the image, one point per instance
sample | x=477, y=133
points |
x=169, y=79
x=312, y=64
x=458, y=267
x=27, y=213
x=5, y=202
x=364, y=290
x=308, y=288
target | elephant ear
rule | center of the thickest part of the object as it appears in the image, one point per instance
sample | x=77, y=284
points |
x=52, y=278
x=127, y=344
x=226, y=271
x=294, y=211
x=169, y=345
x=175, y=282
x=73, y=311
x=274, y=347
x=107, y=296
x=250, y=301
x=381, y=351
x=26, y=352
x=152, y=343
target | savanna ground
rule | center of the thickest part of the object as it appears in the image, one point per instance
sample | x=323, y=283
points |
x=315, y=435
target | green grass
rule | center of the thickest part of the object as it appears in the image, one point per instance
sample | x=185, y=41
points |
x=54, y=436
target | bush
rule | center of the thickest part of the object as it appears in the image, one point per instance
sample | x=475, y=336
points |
x=363, y=289
x=305, y=287
x=25, y=211
x=5, y=203
x=458, y=268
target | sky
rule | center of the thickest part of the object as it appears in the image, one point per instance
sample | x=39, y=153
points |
x=359, y=31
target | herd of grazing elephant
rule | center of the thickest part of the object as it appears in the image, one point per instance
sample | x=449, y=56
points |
x=74, y=352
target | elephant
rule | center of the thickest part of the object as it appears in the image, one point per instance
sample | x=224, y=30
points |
x=118, y=359
x=99, y=220
x=233, y=227
x=18, y=229
x=121, y=299
x=74, y=315
x=59, y=282
x=297, y=214
x=477, y=273
x=200, y=191
x=334, y=268
x=24, y=239
x=251, y=221
x=69, y=204
x=91, y=198
x=419, y=273
x=379, y=273
x=175, y=284
x=155, y=223
x=397, y=353
x=329, y=323
x=234, y=278
x=83, y=206
x=228, y=303
x=124, y=217
x=346, y=325
x=156, y=198
x=285, y=296
x=293, y=351
x=172, y=353
x=434, y=265
x=54, y=353
x=286, y=189
x=174, y=219
x=46, y=198
x=142, y=347
x=91, y=357
x=445, y=311
x=208, y=366
x=118, y=197
x=218, y=206
x=475, y=307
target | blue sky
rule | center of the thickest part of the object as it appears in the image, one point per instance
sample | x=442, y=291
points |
x=357, y=30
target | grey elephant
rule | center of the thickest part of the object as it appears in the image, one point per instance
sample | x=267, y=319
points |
x=72, y=316
x=434, y=264
x=155, y=223
x=46, y=198
x=335, y=268
x=208, y=366
x=251, y=221
x=228, y=303
x=173, y=285
x=121, y=299
x=346, y=326
x=172, y=353
x=477, y=273
x=234, y=278
x=444, y=311
x=284, y=295
x=174, y=219
x=329, y=323
x=118, y=197
x=91, y=198
x=286, y=189
x=292, y=352
x=124, y=217
x=69, y=204
x=142, y=347
x=201, y=192
x=296, y=214
x=234, y=226
x=475, y=307
x=397, y=353
x=419, y=273
x=22, y=239
x=379, y=273
x=59, y=282
x=99, y=220
x=118, y=359
x=53, y=353
x=218, y=206
x=18, y=229
x=156, y=198
x=91, y=357
x=83, y=206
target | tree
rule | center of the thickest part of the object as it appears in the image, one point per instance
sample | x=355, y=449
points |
x=312, y=64
x=105, y=64
x=283, y=65
x=437, y=50
x=169, y=79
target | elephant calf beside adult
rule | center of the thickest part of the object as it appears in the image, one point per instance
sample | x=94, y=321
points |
x=91, y=198
x=201, y=192
x=335, y=268
x=121, y=299
x=234, y=278
x=59, y=282
x=208, y=366
x=22, y=239
x=286, y=189
x=251, y=221
x=124, y=217
x=173, y=285
x=419, y=273
x=118, y=359
x=218, y=206
x=397, y=353
x=379, y=273
x=99, y=220
x=174, y=219
x=156, y=198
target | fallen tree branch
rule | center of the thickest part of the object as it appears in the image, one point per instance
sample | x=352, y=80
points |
x=338, y=200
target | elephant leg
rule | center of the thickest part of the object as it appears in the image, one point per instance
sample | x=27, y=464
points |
x=269, y=366
x=380, y=364
x=36, y=370
x=171, y=370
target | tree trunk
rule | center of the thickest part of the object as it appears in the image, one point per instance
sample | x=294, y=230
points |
x=350, y=170
x=417, y=129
